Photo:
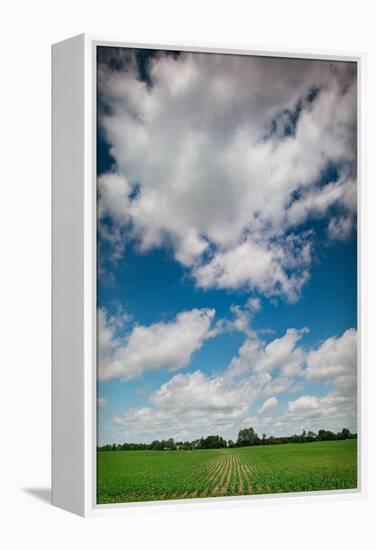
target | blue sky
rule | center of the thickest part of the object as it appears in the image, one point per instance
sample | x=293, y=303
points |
x=227, y=245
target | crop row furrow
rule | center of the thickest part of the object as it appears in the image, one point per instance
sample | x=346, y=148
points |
x=219, y=480
x=195, y=479
x=127, y=476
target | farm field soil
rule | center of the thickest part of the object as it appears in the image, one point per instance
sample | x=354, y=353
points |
x=133, y=476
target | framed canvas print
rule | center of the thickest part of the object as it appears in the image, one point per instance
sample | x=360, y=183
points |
x=206, y=275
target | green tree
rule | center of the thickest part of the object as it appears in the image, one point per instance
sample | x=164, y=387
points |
x=247, y=437
x=345, y=434
x=212, y=442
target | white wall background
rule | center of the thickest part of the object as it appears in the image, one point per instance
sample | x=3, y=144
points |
x=27, y=30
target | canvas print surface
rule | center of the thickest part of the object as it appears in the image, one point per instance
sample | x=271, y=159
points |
x=227, y=275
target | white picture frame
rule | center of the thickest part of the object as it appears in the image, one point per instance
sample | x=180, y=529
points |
x=74, y=347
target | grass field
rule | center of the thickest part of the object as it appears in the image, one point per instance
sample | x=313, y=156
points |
x=131, y=476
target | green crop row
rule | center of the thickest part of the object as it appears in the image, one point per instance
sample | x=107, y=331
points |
x=131, y=476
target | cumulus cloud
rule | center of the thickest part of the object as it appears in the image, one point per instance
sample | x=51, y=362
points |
x=281, y=354
x=340, y=228
x=195, y=404
x=332, y=411
x=168, y=345
x=200, y=392
x=242, y=318
x=269, y=405
x=222, y=157
x=258, y=265
x=311, y=405
x=253, y=304
x=335, y=361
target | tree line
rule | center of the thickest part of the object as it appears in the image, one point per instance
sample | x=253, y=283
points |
x=247, y=437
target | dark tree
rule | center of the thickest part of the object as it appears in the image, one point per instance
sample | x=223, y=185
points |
x=212, y=442
x=247, y=437
x=345, y=434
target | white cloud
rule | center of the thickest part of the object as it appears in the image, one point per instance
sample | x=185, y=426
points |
x=254, y=304
x=189, y=402
x=244, y=362
x=194, y=403
x=311, y=405
x=317, y=201
x=114, y=197
x=201, y=393
x=255, y=264
x=269, y=405
x=168, y=345
x=333, y=411
x=340, y=228
x=148, y=422
x=102, y=402
x=281, y=354
x=197, y=404
x=335, y=361
x=241, y=321
x=220, y=155
x=284, y=384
